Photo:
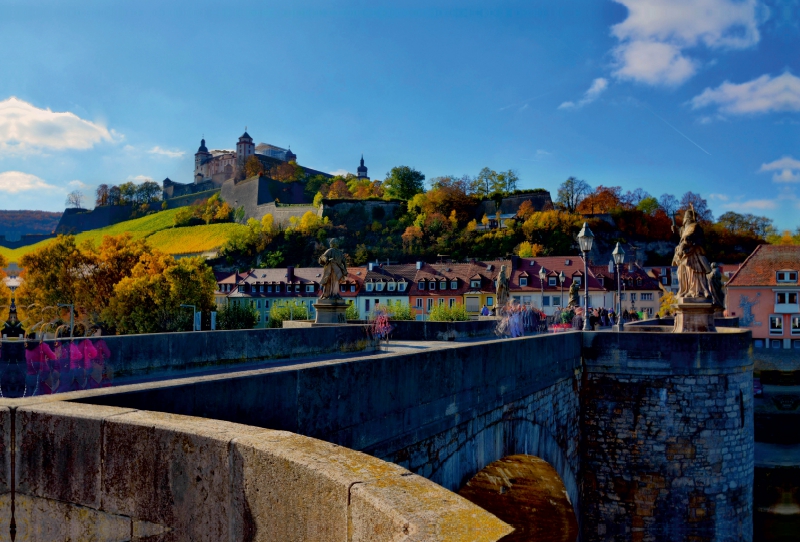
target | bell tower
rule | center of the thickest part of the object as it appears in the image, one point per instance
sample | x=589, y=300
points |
x=245, y=148
x=200, y=157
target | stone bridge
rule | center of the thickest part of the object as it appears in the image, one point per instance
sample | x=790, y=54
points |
x=651, y=435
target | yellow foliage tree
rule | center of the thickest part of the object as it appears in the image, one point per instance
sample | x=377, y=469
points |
x=529, y=250
x=5, y=292
x=665, y=304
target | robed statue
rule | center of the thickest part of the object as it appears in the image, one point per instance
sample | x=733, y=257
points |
x=334, y=271
x=690, y=258
x=717, y=287
x=574, y=295
x=502, y=287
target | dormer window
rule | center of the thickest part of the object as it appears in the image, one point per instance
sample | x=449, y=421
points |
x=786, y=276
x=475, y=283
x=402, y=286
x=602, y=281
x=379, y=286
x=342, y=288
x=297, y=288
x=309, y=288
x=432, y=286
x=370, y=286
x=523, y=281
x=443, y=285
x=454, y=284
x=551, y=281
x=638, y=281
x=277, y=288
x=421, y=285
x=352, y=287
x=577, y=280
x=392, y=286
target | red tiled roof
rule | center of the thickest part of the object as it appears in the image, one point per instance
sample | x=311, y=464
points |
x=760, y=267
x=572, y=266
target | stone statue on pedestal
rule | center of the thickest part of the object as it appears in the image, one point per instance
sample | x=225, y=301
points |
x=502, y=288
x=574, y=296
x=334, y=271
x=695, y=307
x=717, y=287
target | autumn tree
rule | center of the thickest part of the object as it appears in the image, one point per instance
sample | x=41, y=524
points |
x=253, y=167
x=101, y=195
x=403, y=182
x=286, y=172
x=603, y=200
x=700, y=206
x=571, y=193
x=339, y=190
x=150, y=299
x=5, y=291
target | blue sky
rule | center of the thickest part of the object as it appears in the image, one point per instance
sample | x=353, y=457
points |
x=667, y=95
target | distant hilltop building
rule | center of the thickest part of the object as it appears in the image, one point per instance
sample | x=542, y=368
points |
x=362, y=170
x=214, y=168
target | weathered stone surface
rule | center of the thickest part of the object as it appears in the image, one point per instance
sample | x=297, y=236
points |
x=46, y=520
x=5, y=450
x=59, y=451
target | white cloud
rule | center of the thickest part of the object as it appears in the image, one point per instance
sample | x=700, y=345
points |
x=786, y=170
x=339, y=172
x=656, y=33
x=26, y=129
x=78, y=185
x=599, y=85
x=16, y=182
x=753, y=205
x=763, y=95
x=139, y=179
x=166, y=152
x=720, y=197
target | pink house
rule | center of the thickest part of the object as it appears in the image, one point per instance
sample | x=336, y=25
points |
x=763, y=294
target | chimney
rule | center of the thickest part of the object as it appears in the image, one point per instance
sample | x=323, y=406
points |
x=370, y=266
x=514, y=262
x=289, y=273
x=419, y=265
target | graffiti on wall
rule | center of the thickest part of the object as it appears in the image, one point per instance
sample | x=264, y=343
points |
x=747, y=319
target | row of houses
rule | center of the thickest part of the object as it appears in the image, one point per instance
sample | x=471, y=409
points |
x=542, y=282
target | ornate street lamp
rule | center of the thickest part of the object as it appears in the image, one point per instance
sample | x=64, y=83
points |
x=619, y=259
x=585, y=239
x=561, y=278
x=542, y=277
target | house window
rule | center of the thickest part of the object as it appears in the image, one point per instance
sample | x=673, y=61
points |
x=392, y=286
x=379, y=286
x=309, y=287
x=277, y=288
x=269, y=289
x=786, y=276
x=638, y=281
x=454, y=284
x=577, y=280
x=297, y=288
x=663, y=280
x=369, y=286
x=647, y=297
x=266, y=303
x=419, y=302
x=523, y=281
x=489, y=301
x=352, y=287
x=783, y=298
x=342, y=288
x=261, y=288
x=622, y=296
x=551, y=281
x=366, y=305
x=421, y=285
x=546, y=301
x=556, y=300
x=475, y=284
x=430, y=303
x=775, y=343
x=795, y=324
x=432, y=286
x=776, y=324
x=452, y=302
x=633, y=296
x=441, y=301
x=258, y=303
x=443, y=285
x=402, y=286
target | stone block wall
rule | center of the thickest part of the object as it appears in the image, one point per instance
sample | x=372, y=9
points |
x=85, y=472
x=667, y=436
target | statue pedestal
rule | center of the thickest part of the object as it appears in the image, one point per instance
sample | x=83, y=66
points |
x=693, y=314
x=331, y=311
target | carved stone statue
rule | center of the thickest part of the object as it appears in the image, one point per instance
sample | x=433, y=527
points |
x=574, y=295
x=502, y=287
x=334, y=270
x=690, y=258
x=717, y=287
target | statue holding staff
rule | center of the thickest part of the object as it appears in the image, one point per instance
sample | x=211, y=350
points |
x=334, y=271
x=502, y=288
x=690, y=258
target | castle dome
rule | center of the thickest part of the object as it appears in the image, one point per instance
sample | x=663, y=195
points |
x=203, y=147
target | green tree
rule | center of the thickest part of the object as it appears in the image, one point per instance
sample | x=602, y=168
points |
x=648, y=205
x=352, y=312
x=237, y=316
x=292, y=310
x=397, y=310
x=571, y=193
x=403, y=182
x=443, y=313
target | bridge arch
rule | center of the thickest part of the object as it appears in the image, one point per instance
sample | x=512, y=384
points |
x=505, y=437
x=526, y=492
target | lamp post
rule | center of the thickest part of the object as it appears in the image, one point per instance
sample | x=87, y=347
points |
x=194, y=310
x=542, y=277
x=561, y=279
x=619, y=259
x=585, y=239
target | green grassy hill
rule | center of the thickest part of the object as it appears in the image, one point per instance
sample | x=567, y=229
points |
x=157, y=228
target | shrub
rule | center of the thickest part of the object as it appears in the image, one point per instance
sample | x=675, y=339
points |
x=397, y=310
x=443, y=313
x=293, y=310
x=352, y=312
x=237, y=316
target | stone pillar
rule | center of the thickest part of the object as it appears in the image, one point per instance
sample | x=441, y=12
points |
x=667, y=436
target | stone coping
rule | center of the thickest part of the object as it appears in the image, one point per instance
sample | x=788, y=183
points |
x=88, y=467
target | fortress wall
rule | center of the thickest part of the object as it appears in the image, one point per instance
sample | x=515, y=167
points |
x=667, y=429
x=88, y=472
